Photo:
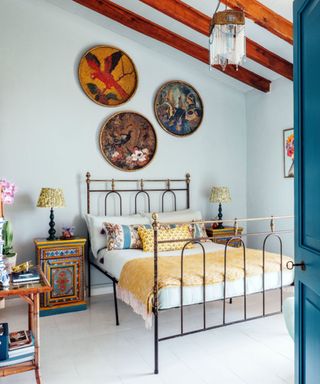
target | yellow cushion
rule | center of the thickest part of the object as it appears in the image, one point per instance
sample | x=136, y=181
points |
x=177, y=233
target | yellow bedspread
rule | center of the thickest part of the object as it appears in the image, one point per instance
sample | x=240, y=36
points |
x=137, y=276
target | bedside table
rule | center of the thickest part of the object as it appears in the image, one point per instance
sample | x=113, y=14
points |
x=62, y=262
x=224, y=235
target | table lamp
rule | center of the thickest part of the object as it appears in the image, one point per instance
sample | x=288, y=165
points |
x=51, y=198
x=220, y=195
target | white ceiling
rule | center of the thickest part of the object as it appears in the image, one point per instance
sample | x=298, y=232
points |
x=253, y=31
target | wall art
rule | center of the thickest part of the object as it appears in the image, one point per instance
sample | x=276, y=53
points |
x=128, y=141
x=108, y=76
x=288, y=152
x=178, y=108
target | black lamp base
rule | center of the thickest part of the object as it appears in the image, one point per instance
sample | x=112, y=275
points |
x=220, y=225
x=52, y=231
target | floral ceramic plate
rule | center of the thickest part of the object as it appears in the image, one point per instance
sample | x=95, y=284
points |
x=178, y=108
x=128, y=141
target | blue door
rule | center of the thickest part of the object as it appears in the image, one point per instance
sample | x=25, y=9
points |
x=307, y=190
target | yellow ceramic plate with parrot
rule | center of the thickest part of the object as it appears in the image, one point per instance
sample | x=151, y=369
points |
x=107, y=75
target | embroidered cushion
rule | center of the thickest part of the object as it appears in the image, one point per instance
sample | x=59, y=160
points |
x=178, y=232
x=120, y=236
x=95, y=224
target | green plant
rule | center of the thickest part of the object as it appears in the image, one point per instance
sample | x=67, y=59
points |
x=7, y=235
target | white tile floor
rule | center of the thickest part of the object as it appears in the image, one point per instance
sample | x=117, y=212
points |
x=87, y=348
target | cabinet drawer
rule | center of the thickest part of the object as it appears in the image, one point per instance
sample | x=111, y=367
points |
x=66, y=278
x=61, y=251
x=62, y=262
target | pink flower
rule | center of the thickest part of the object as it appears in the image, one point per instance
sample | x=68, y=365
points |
x=8, y=191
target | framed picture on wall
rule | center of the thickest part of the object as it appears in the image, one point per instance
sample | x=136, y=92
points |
x=288, y=152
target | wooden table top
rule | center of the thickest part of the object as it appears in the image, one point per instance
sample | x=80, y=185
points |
x=28, y=288
x=75, y=239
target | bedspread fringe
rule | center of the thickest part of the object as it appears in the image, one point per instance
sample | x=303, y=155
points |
x=137, y=306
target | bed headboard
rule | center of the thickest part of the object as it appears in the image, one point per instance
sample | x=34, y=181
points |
x=149, y=188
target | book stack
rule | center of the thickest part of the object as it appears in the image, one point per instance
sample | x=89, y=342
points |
x=30, y=276
x=21, y=348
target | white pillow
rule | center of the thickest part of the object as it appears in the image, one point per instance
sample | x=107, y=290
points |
x=95, y=225
x=183, y=215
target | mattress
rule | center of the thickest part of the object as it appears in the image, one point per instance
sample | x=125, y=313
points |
x=113, y=262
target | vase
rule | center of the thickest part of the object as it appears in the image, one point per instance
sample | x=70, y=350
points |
x=2, y=221
x=10, y=262
x=4, y=276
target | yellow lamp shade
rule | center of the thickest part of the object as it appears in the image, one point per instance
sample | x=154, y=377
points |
x=220, y=195
x=51, y=198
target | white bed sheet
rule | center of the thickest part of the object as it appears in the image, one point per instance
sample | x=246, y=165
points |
x=113, y=262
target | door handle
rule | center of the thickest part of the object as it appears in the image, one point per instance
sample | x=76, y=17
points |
x=290, y=265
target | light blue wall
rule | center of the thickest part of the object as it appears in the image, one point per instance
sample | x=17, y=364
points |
x=49, y=129
x=268, y=192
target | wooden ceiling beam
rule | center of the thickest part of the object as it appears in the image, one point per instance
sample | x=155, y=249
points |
x=148, y=28
x=200, y=22
x=264, y=17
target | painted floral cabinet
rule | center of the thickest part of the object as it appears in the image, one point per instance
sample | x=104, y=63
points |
x=62, y=261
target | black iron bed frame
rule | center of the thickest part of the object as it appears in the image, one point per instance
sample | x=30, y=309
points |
x=111, y=190
x=171, y=189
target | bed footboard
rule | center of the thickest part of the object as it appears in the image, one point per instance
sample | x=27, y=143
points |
x=267, y=236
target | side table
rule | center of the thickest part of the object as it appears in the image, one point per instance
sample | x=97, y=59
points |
x=30, y=293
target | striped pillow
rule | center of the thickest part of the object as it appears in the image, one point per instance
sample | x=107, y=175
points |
x=121, y=236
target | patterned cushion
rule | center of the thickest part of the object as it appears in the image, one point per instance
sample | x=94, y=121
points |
x=95, y=225
x=121, y=236
x=182, y=216
x=176, y=233
x=200, y=231
x=197, y=230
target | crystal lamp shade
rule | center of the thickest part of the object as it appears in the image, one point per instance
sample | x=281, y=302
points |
x=227, y=40
x=51, y=198
x=220, y=195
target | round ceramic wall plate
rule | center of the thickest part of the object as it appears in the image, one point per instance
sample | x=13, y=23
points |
x=128, y=141
x=178, y=108
x=108, y=76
